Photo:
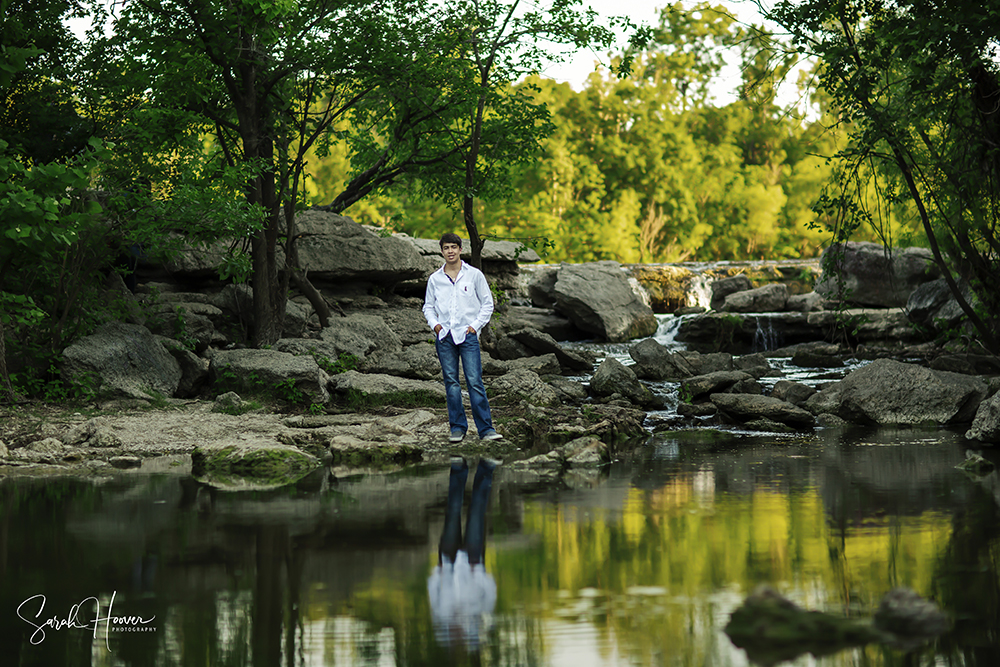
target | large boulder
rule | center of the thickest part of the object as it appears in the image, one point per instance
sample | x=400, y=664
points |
x=194, y=369
x=540, y=285
x=891, y=392
x=868, y=274
x=524, y=385
x=271, y=372
x=190, y=316
x=612, y=377
x=122, y=360
x=986, y=425
x=711, y=383
x=419, y=362
x=756, y=365
x=358, y=335
x=379, y=387
x=654, y=361
x=334, y=249
x=747, y=407
x=538, y=343
x=934, y=307
x=545, y=320
x=795, y=393
x=599, y=298
x=767, y=299
x=189, y=262
x=723, y=287
x=407, y=321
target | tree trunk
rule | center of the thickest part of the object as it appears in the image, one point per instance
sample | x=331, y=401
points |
x=297, y=275
x=269, y=289
x=468, y=201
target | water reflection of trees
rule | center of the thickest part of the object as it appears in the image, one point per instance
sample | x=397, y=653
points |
x=647, y=558
x=968, y=577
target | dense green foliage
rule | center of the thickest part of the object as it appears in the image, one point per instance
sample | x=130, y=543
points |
x=79, y=197
x=648, y=167
x=919, y=84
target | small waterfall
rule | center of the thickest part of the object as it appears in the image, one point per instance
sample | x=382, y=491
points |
x=765, y=338
x=666, y=333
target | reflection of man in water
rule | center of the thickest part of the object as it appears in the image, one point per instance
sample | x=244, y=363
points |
x=461, y=592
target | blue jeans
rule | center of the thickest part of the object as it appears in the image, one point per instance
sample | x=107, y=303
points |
x=475, y=522
x=472, y=363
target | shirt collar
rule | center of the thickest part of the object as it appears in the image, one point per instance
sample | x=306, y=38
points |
x=461, y=267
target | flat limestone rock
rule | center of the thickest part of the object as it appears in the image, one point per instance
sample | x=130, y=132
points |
x=251, y=464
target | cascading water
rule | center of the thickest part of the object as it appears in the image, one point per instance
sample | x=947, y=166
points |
x=666, y=333
x=765, y=338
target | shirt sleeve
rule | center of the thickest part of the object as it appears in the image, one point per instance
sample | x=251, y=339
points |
x=485, y=302
x=430, y=312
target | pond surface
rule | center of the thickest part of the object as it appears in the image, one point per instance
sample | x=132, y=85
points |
x=638, y=564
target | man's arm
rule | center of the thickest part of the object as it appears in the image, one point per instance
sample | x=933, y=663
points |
x=429, y=310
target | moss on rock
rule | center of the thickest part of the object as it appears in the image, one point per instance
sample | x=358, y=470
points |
x=251, y=465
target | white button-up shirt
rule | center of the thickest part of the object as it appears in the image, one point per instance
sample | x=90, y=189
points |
x=458, y=304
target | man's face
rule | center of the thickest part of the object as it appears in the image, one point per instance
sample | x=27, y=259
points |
x=451, y=252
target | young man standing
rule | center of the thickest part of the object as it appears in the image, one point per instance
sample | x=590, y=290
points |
x=457, y=305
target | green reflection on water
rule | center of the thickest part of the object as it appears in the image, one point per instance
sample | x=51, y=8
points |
x=640, y=564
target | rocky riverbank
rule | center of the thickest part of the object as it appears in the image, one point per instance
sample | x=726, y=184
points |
x=172, y=378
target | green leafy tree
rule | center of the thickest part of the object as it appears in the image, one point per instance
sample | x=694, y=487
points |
x=919, y=83
x=51, y=240
x=269, y=80
x=38, y=119
x=498, y=125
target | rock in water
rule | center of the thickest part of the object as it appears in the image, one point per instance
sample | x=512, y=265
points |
x=909, y=617
x=771, y=629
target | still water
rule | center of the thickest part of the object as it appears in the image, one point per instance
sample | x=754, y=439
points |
x=638, y=564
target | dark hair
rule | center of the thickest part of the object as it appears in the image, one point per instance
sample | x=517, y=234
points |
x=451, y=238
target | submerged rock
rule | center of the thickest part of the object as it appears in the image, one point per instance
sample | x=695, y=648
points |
x=976, y=464
x=271, y=372
x=909, y=617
